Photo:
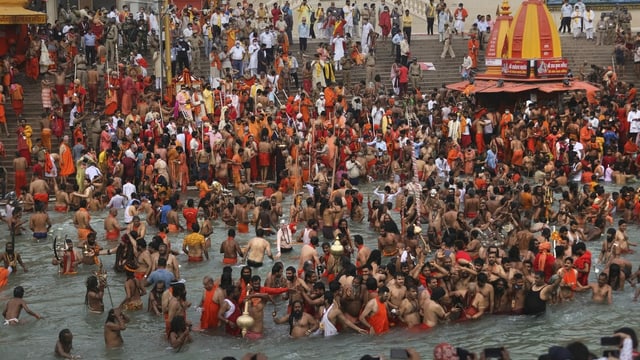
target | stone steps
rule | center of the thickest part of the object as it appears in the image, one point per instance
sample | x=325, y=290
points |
x=425, y=48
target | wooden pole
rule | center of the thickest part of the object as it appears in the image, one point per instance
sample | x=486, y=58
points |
x=167, y=41
x=335, y=154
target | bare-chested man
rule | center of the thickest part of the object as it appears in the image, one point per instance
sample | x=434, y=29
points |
x=137, y=226
x=432, y=310
x=601, y=290
x=172, y=261
x=241, y=214
x=257, y=301
x=112, y=226
x=39, y=223
x=20, y=166
x=622, y=239
x=301, y=324
x=14, y=307
x=354, y=297
x=308, y=252
x=333, y=316
x=397, y=292
x=409, y=310
x=116, y=322
x=62, y=198
x=40, y=190
x=82, y=219
x=256, y=249
x=230, y=249
x=363, y=251
x=387, y=243
x=474, y=303
x=144, y=261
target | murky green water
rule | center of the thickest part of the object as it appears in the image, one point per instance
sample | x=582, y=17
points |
x=61, y=301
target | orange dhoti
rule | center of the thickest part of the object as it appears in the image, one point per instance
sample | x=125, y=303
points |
x=305, y=175
x=229, y=261
x=42, y=197
x=20, y=180
x=264, y=159
x=83, y=234
x=113, y=234
x=296, y=182
x=243, y=228
x=139, y=275
x=111, y=103
x=46, y=138
x=480, y=142
x=173, y=228
x=517, y=158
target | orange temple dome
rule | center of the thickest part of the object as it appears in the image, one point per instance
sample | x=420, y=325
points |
x=533, y=33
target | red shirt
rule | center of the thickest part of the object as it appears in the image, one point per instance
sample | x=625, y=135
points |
x=461, y=254
x=584, y=259
x=403, y=74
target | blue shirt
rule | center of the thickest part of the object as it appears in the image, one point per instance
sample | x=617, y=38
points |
x=164, y=211
x=303, y=31
x=491, y=159
x=89, y=39
x=160, y=275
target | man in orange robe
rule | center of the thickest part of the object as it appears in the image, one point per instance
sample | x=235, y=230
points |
x=67, y=167
x=209, y=316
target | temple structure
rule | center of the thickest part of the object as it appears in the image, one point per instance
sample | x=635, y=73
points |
x=523, y=55
x=14, y=18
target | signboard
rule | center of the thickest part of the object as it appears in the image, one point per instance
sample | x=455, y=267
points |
x=549, y=68
x=515, y=68
x=492, y=62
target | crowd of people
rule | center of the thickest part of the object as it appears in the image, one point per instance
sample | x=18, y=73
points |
x=481, y=232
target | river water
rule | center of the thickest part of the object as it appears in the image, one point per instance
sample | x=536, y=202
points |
x=61, y=301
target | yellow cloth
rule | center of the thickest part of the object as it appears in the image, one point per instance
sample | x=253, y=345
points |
x=193, y=240
x=406, y=20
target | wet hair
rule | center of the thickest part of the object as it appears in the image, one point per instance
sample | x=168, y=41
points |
x=62, y=337
x=328, y=297
x=18, y=292
x=277, y=267
x=437, y=293
x=629, y=331
x=178, y=324
x=375, y=256
x=179, y=291
x=111, y=316
x=371, y=283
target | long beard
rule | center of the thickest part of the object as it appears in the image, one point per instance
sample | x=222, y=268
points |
x=296, y=315
x=246, y=278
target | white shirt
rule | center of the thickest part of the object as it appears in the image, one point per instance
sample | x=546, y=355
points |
x=266, y=39
x=566, y=10
x=117, y=202
x=380, y=146
x=384, y=197
x=443, y=167
x=634, y=121
x=578, y=148
x=92, y=172
x=237, y=53
x=187, y=32
x=128, y=189
x=283, y=238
